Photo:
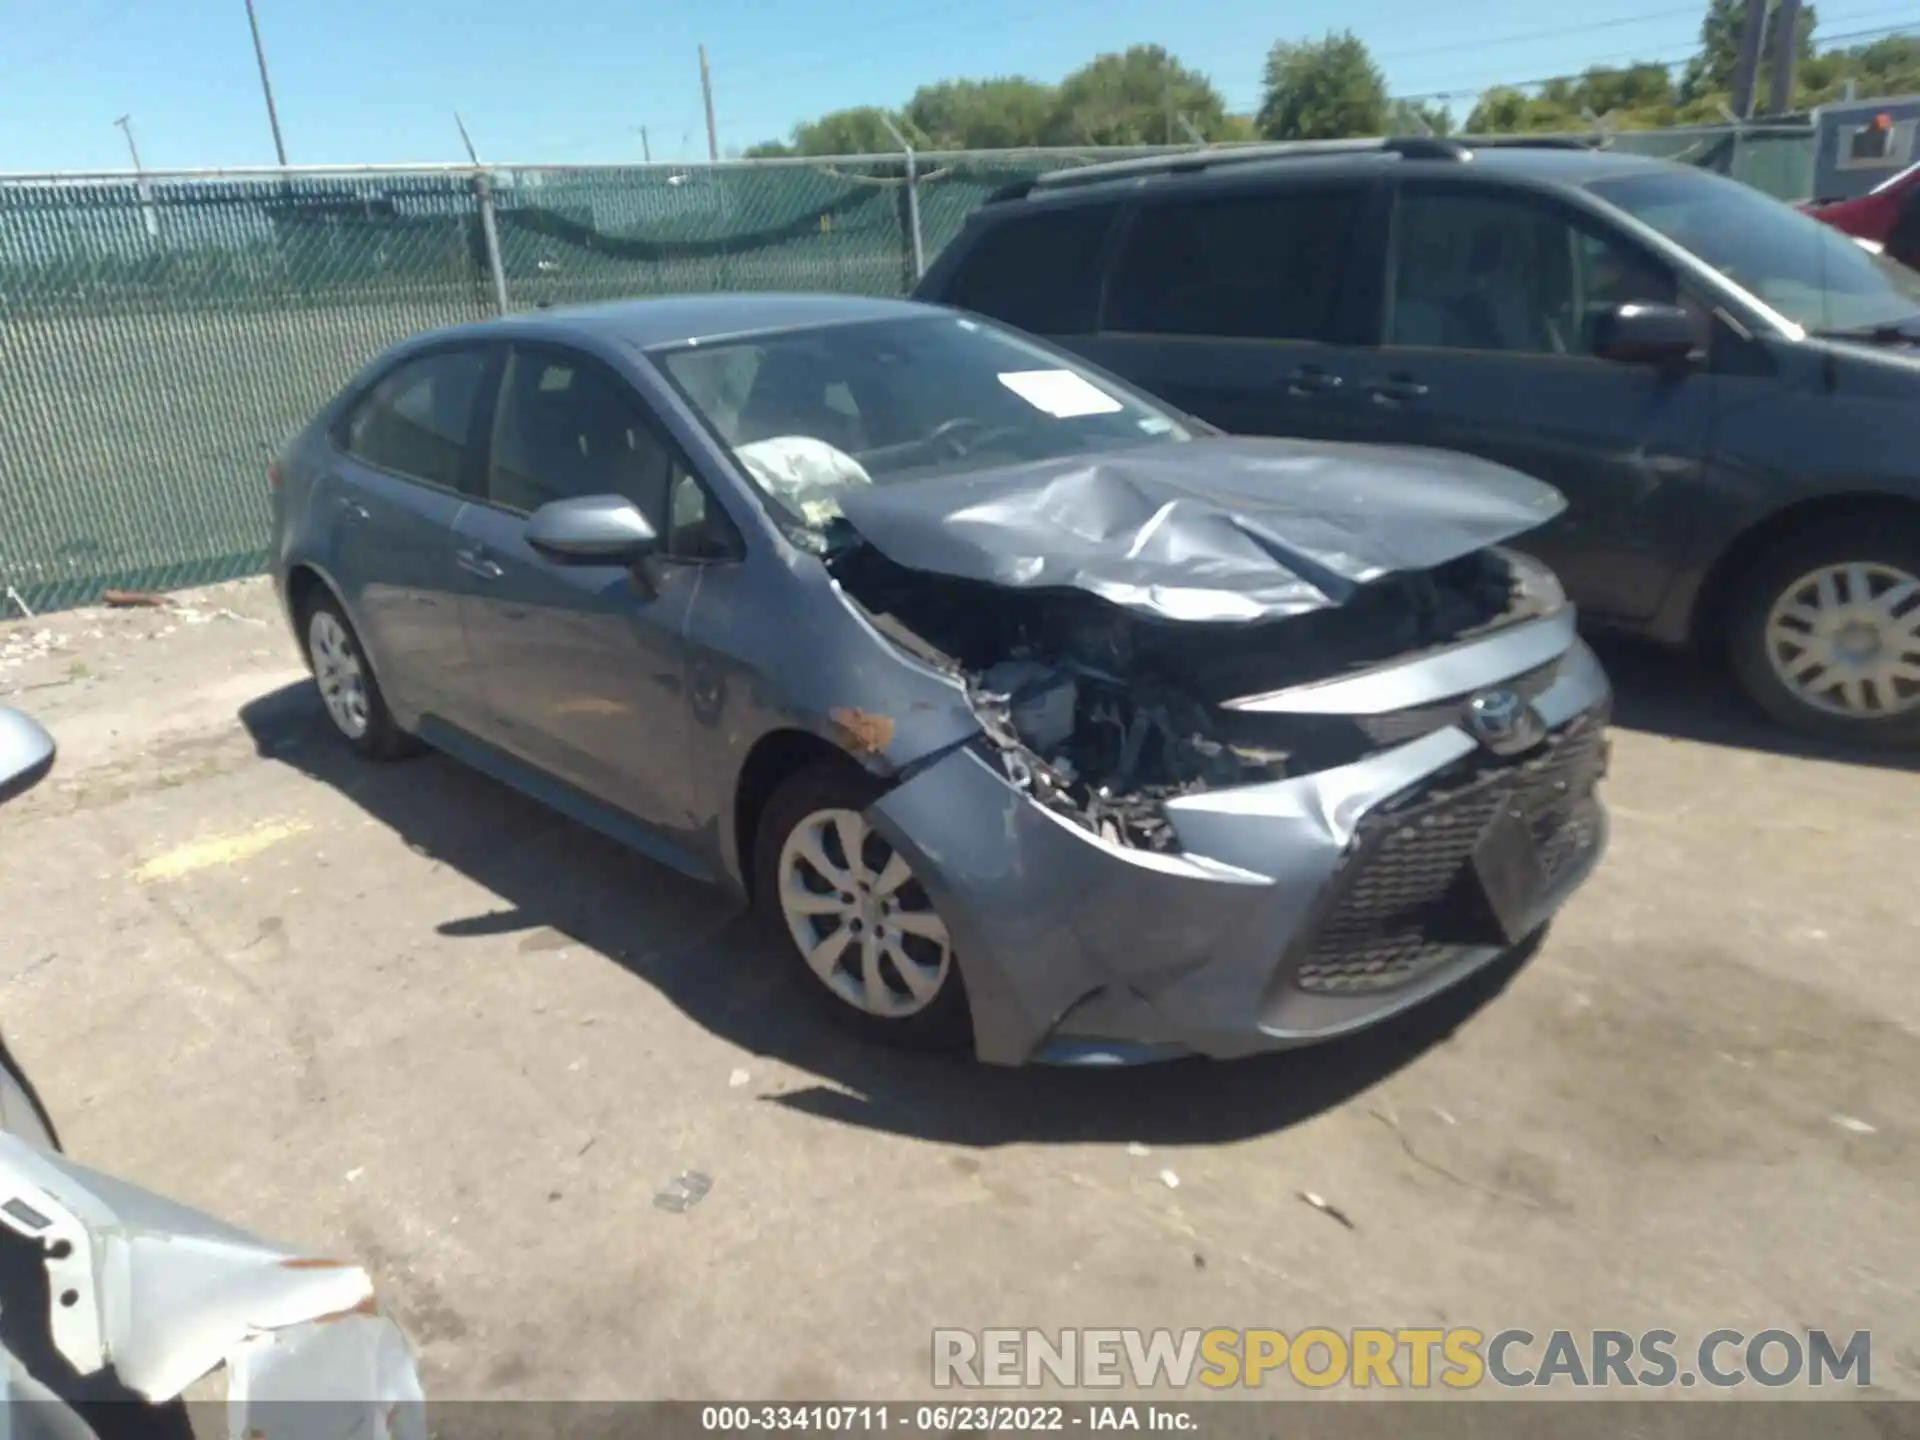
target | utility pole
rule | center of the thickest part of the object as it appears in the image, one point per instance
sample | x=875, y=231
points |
x=706, y=90
x=646, y=147
x=1786, y=54
x=266, y=85
x=125, y=122
x=1746, y=73
x=152, y=221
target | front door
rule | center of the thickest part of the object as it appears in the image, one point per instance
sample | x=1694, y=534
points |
x=1236, y=308
x=1492, y=299
x=583, y=665
x=392, y=498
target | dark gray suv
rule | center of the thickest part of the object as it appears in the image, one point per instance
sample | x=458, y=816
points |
x=1726, y=391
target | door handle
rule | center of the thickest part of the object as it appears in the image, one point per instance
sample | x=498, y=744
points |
x=1395, y=388
x=1312, y=380
x=352, y=509
x=475, y=562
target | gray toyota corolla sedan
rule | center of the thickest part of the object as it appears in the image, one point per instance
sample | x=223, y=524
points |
x=1026, y=710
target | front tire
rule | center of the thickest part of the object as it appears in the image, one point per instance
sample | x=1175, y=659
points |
x=348, y=689
x=1824, y=633
x=846, y=906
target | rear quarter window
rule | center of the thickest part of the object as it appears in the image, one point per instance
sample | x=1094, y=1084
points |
x=1039, y=270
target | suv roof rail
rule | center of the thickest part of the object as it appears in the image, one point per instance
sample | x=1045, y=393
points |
x=1538, y=142
x=1409, y=147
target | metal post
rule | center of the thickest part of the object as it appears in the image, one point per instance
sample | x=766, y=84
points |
x=913, y=198
x=125, y=122
x=1786, y=55
x=489, y=231
x=706, y=91
x=491, y=234
x=266, y=84
x=1746, y=71
x=646, y=145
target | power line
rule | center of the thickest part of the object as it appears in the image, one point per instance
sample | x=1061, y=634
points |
x=1691, y=11
x=1676, y=63
x=56, y=51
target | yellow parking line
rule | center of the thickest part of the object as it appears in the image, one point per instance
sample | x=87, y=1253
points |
x=221, y=850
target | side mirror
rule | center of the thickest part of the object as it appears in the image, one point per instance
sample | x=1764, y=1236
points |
x=26, y=754
x=591, y=530
x=1641, y=333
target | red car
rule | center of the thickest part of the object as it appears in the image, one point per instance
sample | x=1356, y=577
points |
x=1889, y=214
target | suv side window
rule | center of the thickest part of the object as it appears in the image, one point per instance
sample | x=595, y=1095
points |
x=1503, y=273
x=1254, y=266
x=566, y=428
x=416, y=421
x=1039, y=271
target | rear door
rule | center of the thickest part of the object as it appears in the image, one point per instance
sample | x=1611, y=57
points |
x=1487, y=328
x=1239, y=307
x=583, y=664
x=403, y=452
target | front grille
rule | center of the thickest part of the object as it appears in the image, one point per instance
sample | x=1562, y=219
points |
x=1407, y=899
x=1395, y=727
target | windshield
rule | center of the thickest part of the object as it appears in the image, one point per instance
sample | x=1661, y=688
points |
x=1809, y=272
x=808, y=412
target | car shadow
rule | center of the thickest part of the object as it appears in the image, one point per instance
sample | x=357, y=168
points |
x=1687, y=695
x=707, y=957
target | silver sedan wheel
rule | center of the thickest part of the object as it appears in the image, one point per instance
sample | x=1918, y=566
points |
x=861, y=920
x=1845, y=639
x=338, y=670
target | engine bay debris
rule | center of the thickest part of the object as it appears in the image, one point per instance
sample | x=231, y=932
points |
x=1103, y=715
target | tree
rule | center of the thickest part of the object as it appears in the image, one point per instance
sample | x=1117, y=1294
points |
x=1135, y=98
x=999, y=114
x=1644, y=86
x=1888, y=66
x=1710, y=73
x=859, y=131
x=1323, y=90
x=1418, y=117
x=1638, y=96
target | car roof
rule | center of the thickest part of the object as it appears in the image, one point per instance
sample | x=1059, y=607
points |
x=677, y=319
x=1561, y=163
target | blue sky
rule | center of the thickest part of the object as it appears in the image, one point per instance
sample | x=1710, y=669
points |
x=379, y=80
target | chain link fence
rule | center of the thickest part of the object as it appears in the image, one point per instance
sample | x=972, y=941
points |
x=162, y=336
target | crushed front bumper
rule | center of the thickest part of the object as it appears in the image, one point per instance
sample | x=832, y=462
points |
x=1295, y=911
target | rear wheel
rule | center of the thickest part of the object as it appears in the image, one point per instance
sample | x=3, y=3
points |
x=347, y=685
x=1824, y=633
x=848, y=908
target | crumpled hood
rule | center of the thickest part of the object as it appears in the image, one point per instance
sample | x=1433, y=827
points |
x=1213, y=530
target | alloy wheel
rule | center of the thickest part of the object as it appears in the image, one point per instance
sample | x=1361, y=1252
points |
x=862, y=922
x=1845, y=639
x=341, y=675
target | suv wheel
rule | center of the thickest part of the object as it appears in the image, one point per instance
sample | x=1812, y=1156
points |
x=847, y=907
x=347, y=686
x=1825, y=633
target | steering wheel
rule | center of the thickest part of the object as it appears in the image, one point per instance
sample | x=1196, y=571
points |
x=958, y=437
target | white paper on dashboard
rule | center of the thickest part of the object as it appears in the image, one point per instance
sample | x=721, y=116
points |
x=1060, y=393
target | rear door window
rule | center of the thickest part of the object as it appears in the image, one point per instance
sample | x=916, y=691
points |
x=417, y=421
x=1266, y=267
x=1039, y=271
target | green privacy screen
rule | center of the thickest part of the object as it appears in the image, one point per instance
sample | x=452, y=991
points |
x=161, y=338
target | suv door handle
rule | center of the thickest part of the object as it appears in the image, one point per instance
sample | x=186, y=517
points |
x=475, y=562
x=351, y=509
x=1395, y=388
x=1312, y=380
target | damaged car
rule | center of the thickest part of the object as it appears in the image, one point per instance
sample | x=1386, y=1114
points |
x=1031, y=714
x=117, y=1306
